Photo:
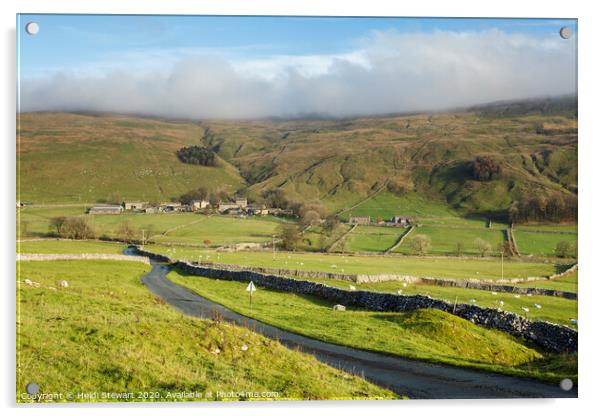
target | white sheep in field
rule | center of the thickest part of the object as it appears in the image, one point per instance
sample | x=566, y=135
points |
x=351, y=287
x=537, y=305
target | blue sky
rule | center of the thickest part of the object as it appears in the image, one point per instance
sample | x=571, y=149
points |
x=72, y=40
x=274, y=48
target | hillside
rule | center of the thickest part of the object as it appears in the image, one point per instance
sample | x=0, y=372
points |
x=336, y=163
x=84, y=158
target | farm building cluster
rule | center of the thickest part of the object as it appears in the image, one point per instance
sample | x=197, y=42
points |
x=396, y=221
x=238, y=207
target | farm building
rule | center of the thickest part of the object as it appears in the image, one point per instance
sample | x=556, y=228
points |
x=359, y=220
x=400, y=221
x=240, y=203
x=257, y=210
x=106, y=209
x=199, y=204
x=171, y=207
x=134, y=205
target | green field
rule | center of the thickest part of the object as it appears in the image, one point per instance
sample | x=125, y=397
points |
x=567, y=283
x=455, y=268
x=220, y=230
x=422, y=210
x=316, y=239
x=369, y=238
x=553, y=309
x=444, y=239
x=542, y=243
x=429, y=335
x=107, y=333
x=69, y=247
x=184, y=228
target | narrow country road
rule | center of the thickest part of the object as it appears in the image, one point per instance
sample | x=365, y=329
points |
x=415, y=379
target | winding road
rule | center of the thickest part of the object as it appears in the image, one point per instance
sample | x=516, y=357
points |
x=411, y=378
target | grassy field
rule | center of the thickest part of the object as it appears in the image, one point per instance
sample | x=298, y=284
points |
x=421, y=209
x=553, y=309
x=368, y=238
x=444, y=239
x=456, y=268
x=567, y=283
x=186, y=228
x=424, y=334
x=69, y=247
x=315, y=239
x=542, y=243
x=222, y=230
x=107, y=333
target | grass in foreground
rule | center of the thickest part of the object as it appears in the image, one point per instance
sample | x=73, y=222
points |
x=107, y=333
x=429, y=335
x=454, y=268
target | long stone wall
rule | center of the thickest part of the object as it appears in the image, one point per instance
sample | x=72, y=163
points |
x=545, y=334
x=365, y=278
x=79, y=256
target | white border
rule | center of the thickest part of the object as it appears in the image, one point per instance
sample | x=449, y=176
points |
x=590, y=152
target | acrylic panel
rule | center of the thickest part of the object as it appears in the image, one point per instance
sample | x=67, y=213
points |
x=217, y=208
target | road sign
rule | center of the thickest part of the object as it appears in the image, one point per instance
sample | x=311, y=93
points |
x=251, y=289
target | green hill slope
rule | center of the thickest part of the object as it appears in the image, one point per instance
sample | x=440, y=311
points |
x=82, y=158
x=336, y=163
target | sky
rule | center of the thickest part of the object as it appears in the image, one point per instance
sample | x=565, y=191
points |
x=201, y=67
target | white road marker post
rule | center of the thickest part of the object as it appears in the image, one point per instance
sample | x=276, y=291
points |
x=251, y=289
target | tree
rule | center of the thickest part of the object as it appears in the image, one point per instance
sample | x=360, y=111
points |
x=563, y=249
x=275, y=198
x=197, y=194
x=77, y=228
x=420, y=244
x=126, y=232
x=331, y=223
x=290, y=236
x=57, y=223
x=484, y=168
x=459, y=248
x=310, y=217
x=482, y=246
x=505, y=248
x=197, y=155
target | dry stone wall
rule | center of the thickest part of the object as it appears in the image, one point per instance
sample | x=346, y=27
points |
x=545, y=334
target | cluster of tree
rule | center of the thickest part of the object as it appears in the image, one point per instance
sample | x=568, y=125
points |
x=555, y=208
x=76, y=228
x=565, y=249
x=197, y=155
x=290, y=236
x=197, y=194
x=203, y=193
x=484, y=168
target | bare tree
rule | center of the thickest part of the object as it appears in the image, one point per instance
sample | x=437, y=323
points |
x=420, y=244
x=482, y=246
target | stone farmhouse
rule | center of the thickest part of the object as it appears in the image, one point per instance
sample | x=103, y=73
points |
x=105, y=209
x=360, y=220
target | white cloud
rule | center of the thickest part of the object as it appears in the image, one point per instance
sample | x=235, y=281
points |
x=389, y=72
